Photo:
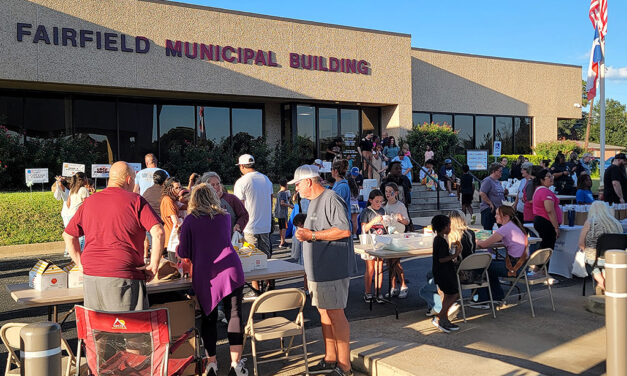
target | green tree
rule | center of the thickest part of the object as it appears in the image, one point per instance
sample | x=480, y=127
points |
x=575, y=129
x=615, y=123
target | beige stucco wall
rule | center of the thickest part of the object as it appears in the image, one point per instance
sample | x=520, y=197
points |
x=389, y=81
x=460, y=83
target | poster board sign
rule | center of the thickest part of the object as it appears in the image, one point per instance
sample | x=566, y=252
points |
x=477, y=160
x=497, y=149
x=350, y=145
x=100, y=170
x=36, y=175
x=137, y=167
x=326, y=167
x=69, y=169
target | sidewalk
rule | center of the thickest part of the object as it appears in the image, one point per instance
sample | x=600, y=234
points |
x=570, y=341
x=37, y=249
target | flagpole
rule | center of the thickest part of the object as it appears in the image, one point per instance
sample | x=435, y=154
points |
x=602, y=107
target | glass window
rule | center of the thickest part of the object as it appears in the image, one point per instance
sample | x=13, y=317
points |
x=96, y=119
x=483, y=132
x=11, y=110
x=214, y=123
x=522, y=135
x=442, y=119
x=45, y=117
x=306, y=122
x=463, y=126
x=370, y=120
x=286, y=122
x=503, y=131
x=176, y=126
x=248, y=120
x=419, y=118
x=349, y=122
x=327, y=128
x=137, y=127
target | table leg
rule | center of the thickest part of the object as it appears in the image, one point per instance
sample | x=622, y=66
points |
x=55, y=313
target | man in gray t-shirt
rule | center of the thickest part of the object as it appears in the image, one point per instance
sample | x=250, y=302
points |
x=326, y=251
x=492, y=195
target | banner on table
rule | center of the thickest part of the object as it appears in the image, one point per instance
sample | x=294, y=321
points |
x=70, y=169
x=36, y=175
x=477, y=160
x=137, y=167
x=100, y=170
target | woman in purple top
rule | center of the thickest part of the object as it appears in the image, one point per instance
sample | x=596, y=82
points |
x=514, y=236
x=205, y=238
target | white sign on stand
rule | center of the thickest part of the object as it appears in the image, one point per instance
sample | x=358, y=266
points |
x=326, y=167
x=36, y=175
x=497, y=149
x=137, y=167
x=477, y=160
x=70, y=169
x=100, y=170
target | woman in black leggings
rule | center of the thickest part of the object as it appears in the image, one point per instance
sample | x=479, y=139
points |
x=548, y=215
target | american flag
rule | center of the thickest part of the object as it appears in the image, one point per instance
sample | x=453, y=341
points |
x=598, y=16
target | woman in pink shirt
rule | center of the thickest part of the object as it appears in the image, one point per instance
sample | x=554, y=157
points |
x=546, y=210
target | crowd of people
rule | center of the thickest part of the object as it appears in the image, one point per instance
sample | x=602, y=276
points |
x=118, y=236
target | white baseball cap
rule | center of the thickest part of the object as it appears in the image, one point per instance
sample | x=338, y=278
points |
x=245, y=159
x=304, y=172
x=318, y=161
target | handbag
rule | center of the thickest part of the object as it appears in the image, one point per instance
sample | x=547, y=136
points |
x=167, y=271
x=579, y=265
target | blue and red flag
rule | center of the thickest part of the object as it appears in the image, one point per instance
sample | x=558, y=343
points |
x=593, y=68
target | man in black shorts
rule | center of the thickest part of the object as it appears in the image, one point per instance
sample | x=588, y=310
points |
x=467, y=190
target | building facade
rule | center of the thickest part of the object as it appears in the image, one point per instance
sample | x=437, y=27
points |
x=136, y=74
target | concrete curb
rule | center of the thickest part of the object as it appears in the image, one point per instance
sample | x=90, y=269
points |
x=21, y=250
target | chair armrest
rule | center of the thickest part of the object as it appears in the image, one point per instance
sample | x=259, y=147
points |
x=182, y=339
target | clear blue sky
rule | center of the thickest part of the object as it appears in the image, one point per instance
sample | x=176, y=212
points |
x=556, y=31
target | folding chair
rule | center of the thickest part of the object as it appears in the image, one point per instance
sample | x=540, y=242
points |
x=539, y=259
x=277, y=327
x=605, y=243
x=133, y=343
x=10, y=334
x=476, y=261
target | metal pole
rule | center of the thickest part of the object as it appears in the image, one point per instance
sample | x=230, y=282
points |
x=602, y=108
x=616, y=312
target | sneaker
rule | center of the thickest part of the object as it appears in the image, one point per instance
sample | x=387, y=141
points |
x=367, y=298
x=211, y=369
x=251, y=295
x=481, y=306
x=441, y=328
x=453, y=311
x=403, y=293
x=450, y=326
x=551, y=281
x=322, y=367
x=431, y=312
x=338, y=372
x=394, y=292
x=452, y=195
x=380, y=299
x=239, y=369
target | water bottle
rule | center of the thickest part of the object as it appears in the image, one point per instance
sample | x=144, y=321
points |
x=571, y=217
x=495, y=227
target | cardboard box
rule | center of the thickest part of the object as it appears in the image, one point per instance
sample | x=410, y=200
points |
x=74, y=275
x=182, y=318
x=45, y=276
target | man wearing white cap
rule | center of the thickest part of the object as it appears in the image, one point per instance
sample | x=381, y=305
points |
x=326, y=253
x=254, y=189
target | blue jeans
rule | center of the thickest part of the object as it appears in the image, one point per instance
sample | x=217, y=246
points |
x=429, y=293
x=487, y=219
x=497, y=269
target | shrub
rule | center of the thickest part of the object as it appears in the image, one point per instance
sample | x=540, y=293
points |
x=549, y=149
x=288, y=156
x=442, y=139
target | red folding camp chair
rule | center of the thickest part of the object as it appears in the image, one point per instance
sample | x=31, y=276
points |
x=133, y=343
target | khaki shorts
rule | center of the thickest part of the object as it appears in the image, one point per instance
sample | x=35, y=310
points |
x=261, y=241
x=329, y=294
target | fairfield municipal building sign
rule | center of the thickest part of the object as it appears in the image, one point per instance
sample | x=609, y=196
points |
x=66, y=36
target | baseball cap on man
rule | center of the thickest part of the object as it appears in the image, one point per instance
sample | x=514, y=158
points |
x=304, y=172
x=620, y=156
x=318, y=161
x=245, y=159
x=447, y=161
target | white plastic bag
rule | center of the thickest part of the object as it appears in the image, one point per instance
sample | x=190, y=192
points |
x=173, y=243
x=579, y=265
x=237, y=239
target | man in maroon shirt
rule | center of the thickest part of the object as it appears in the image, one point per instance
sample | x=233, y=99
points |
x=114, y=223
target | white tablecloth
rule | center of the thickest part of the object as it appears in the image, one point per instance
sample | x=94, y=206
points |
x=566, y=247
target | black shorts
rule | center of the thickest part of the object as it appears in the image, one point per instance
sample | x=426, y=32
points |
x=447, y=283
x=282, y=223
x=467, y=198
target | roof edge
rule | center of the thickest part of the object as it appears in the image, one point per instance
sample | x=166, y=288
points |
x=276, y=18
x=497, y=57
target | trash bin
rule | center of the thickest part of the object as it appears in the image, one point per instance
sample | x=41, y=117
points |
x=40, y=346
